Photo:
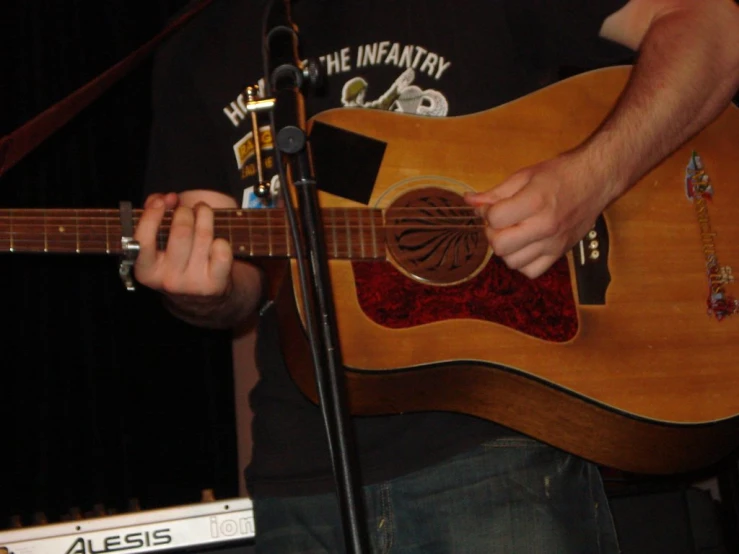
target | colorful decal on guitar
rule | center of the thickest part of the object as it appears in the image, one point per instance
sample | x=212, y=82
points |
x=699, y=189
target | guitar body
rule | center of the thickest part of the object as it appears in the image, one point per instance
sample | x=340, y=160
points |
x=644, y=380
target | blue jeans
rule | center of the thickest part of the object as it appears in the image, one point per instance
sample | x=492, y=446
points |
x=509, y=496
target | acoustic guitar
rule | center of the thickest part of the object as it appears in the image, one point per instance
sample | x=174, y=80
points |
x=625, y=352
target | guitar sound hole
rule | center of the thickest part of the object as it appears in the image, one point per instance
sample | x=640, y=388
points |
x=435, y=237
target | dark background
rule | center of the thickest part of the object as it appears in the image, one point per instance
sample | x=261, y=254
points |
x=104, y=397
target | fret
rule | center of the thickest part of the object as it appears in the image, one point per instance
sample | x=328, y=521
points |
x=77, y=229
x=241, y=246
x=361, y=232
x=46, y=236
x=250, y=231
x=12, y=243
x=286, y=231
x=349, y=253
x=374, y=234
x=107, y=236
x=333, y=233
x=269, y=232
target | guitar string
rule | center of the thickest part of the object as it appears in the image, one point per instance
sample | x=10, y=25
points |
x=436, y=222
x=231, y=213
x=73, y=221
x=357, y=222
x=112, y=212
x=79, y=242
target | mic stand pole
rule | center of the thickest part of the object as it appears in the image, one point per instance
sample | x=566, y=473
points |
x=284, y=80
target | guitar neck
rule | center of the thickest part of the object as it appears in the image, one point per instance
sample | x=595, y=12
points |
x=351, y=233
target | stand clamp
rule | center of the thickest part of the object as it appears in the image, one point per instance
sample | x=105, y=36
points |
x=255, y=105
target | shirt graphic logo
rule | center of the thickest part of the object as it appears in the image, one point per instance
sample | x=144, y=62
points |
x=402, y=96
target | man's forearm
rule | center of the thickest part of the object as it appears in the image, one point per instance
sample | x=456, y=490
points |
x=686, y=74
x=224, y=312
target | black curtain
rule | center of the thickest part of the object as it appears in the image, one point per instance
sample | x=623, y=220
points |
x=104, y=396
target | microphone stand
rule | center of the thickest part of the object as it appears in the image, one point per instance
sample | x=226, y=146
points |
x=284, y=80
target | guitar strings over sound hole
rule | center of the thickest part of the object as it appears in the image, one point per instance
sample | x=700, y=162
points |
x=435, y=237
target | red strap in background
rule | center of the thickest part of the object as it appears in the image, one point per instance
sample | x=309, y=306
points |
x=16, y=145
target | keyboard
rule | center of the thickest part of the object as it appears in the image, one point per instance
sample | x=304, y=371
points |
x=182, y=527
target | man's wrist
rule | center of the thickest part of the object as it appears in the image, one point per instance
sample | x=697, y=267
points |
x=217, y=312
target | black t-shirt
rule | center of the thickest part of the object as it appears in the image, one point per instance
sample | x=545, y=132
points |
x=426, y=57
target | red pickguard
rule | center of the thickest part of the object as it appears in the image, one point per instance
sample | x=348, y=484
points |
x=543, y=307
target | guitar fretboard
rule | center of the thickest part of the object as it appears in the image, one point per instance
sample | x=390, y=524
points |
x=351, y=233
